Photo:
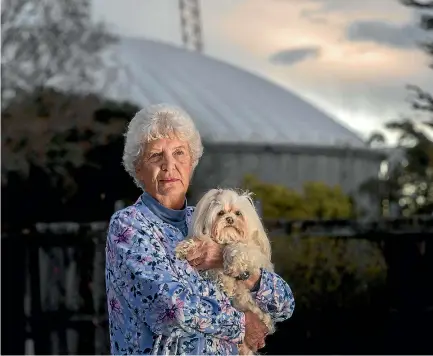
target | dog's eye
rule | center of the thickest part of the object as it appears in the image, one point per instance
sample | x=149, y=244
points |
x=238, y=213
x=221, y=212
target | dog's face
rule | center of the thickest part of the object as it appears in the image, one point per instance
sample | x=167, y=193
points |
x=228, y=217
x=229, y=223
x=225, y=216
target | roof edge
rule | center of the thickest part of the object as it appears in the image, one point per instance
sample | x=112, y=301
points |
x=340, y=151
x=255, y=74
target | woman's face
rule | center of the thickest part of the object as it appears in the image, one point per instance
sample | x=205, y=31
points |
x=165, y=170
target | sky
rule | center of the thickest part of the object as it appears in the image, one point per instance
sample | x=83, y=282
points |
x=352, y=59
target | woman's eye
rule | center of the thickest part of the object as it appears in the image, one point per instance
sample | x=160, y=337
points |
x=221, y=212
x=238, y=213
x=155, y=157
x=180, y=152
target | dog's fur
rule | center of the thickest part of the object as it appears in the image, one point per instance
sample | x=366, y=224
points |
x=230, y=218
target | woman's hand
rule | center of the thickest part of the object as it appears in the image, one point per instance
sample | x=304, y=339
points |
x=207, y=255
x=255, y=331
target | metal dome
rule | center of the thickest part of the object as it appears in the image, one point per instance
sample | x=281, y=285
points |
x=229, y=105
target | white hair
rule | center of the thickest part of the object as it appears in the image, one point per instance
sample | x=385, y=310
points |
x=214, y=200
x=155, y=122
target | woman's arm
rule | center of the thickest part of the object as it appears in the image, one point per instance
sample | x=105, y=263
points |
x=273, y=295
x=154, y=292
x=271, y=292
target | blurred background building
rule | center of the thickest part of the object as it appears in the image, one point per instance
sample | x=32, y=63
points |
x=248, y=124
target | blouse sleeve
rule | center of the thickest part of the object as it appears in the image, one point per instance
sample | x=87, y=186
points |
x=275, y=297
x=155, y=293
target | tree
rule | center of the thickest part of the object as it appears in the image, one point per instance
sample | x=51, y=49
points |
x=49, y=43
x=421, y=100
x=408, y=181
x=62, y=156
x=376, y=137
x=53, y=131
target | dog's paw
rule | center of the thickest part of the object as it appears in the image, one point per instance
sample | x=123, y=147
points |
x=184, y=248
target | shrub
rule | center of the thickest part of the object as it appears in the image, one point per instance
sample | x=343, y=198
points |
x=323, y=272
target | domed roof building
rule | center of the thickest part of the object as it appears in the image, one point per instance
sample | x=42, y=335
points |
x=248, y=124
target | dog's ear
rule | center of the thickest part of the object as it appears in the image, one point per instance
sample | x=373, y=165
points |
x=201, y=216
x=261, y=240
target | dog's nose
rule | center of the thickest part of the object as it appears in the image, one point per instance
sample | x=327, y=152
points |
x=229, y=220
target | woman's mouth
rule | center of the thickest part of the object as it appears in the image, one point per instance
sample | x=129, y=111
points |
x=169, y=180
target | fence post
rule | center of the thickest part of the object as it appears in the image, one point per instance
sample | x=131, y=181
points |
x=39, y=328
x=13, y=275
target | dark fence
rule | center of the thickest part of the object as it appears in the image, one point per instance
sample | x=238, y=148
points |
x=53, y=299
x=400, y=321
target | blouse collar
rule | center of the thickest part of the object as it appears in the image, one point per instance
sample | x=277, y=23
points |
x=177, y=218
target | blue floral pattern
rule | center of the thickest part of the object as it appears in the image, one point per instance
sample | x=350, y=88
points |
x=158, y=304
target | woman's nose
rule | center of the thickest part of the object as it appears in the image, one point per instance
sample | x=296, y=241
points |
x=168, y=163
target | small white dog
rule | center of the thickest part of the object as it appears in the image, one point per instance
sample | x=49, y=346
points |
x=230, y=218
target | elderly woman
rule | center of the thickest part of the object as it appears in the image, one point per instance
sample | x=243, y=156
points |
x=158, y=304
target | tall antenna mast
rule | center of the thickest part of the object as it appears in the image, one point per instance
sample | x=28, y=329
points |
x=190, y=23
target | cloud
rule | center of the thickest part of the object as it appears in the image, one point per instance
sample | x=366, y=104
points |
x=328, y=11
x=280, y=28
x=400, y=36
x=361, y=82
x=382, y=8
x=293, y=56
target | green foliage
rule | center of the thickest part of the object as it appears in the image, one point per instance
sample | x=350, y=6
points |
x=316, y=201
x=330, y=273
x=55, y=130
x=323, y=272
x=63, y=152
x=409, y=183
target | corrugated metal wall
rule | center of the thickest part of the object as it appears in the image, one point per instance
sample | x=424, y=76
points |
x=221, y=166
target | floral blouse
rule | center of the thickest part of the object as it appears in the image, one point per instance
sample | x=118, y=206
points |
x=158, y=304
